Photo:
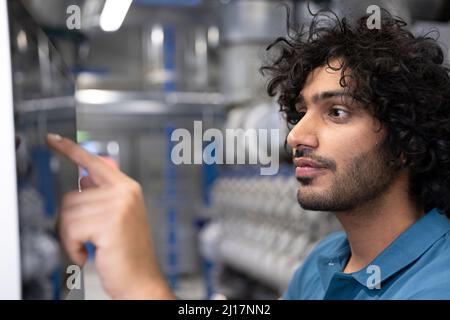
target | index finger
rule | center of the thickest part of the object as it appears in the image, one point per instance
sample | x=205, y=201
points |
x=100, y=172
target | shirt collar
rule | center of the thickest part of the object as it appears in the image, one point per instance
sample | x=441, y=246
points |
x=405, y=249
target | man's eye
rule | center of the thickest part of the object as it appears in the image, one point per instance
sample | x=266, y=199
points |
x=338, y=113
x=295, y=117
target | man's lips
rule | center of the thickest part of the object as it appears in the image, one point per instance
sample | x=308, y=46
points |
x=307, y=167
x=308, y=171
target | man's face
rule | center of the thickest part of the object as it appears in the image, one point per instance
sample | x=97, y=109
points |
x=339, y=147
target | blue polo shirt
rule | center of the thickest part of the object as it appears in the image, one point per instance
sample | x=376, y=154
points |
x=416, y=265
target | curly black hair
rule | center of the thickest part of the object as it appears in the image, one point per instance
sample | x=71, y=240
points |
x=402, y=78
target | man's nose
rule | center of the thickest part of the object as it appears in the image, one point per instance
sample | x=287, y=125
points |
x=304, y=133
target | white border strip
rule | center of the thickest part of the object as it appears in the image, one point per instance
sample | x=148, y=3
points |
x=10, y=274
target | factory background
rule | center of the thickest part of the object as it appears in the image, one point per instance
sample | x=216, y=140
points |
x=221, y=231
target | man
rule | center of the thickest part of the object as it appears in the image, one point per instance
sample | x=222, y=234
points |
x=370, y=130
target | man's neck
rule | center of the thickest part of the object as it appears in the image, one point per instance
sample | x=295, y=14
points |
x=373, y=226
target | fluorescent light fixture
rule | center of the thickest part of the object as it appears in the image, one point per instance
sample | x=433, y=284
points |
x=22, y=41
x=157, y=35
x=113, y=14
x=213, y=36
x=95, y=96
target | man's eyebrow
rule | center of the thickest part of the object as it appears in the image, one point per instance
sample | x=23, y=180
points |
x=324, y=96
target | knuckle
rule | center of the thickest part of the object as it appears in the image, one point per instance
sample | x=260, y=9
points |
x=135, y=190
x=129, y=190
x=135, y=186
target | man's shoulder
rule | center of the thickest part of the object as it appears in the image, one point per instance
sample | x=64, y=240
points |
x=429, y=276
